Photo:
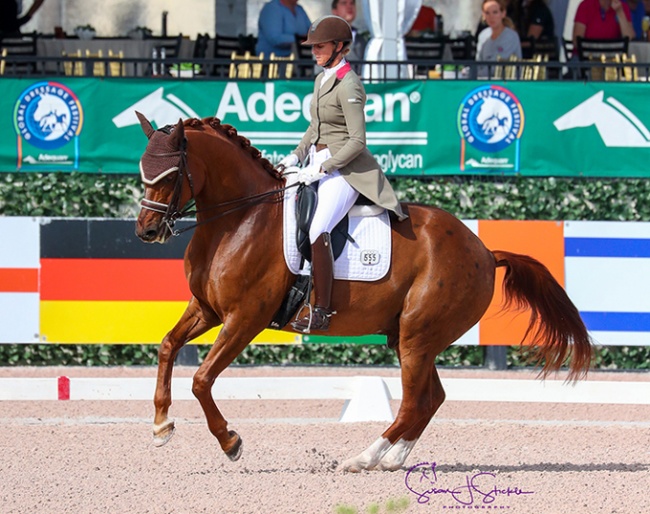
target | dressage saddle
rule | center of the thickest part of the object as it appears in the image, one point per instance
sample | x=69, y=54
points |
x=306, y=201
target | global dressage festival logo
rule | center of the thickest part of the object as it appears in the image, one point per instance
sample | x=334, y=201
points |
x=490, y=120
x=47, y=117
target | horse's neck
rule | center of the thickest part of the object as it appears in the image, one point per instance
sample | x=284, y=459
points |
x=224, y=186
x=235, y=183
x=230, y=172
x=229, y=229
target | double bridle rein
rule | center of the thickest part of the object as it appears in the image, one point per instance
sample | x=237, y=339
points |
x=171, y=211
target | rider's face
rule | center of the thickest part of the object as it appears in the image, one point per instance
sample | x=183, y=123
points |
x=322, y=52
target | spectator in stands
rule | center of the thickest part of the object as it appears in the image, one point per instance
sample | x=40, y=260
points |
x=602, y=19
x=536, y=24
x=425, y=23
x=537, y=20
x=10, y=19
x=347, y=9
x=279, y=23
x=499, y=40
x=512, y=12
x=637, y=11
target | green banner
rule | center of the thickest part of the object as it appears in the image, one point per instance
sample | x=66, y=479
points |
x=413, y=127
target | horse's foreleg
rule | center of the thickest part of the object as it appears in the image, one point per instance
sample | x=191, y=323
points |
x=192, y=324
x=229, y=344
x=390, y=451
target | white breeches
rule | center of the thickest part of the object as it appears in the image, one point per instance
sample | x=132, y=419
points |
x=335, y=198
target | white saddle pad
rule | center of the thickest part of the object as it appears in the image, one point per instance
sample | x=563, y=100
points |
x=367, y=259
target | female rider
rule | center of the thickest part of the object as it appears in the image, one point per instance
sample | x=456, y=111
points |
x=339, y=160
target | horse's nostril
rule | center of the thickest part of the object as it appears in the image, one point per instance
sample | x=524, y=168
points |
x=147, y=235
x=150, y=234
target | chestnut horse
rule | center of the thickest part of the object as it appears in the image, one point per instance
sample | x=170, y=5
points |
x=439, y=285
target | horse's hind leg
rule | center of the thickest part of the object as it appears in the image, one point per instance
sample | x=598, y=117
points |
x=194, y=322
x=396, y=456
x=422, y=394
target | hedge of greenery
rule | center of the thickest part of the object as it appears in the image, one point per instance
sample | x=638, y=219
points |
x=68, y=195
x=109, y=196
x=611, y=358
x=87, y=195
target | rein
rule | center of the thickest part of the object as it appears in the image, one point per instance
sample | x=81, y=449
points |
x=170, y=211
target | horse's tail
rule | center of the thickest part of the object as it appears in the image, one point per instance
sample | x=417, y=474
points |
x=555, y=325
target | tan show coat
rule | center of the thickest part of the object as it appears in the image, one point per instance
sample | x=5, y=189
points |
x=337, y=120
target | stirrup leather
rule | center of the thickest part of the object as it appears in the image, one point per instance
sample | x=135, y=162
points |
x=318, y=318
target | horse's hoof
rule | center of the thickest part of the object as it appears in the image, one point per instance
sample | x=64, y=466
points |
x=387, y=466
x=163, y=433
x=235, y=452
x=351, y=466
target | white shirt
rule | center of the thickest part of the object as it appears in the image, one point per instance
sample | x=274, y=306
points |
x=328, y=72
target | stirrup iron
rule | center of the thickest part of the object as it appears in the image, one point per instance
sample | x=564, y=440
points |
x=318, y=319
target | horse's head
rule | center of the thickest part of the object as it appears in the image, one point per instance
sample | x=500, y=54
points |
x=167, y=183
x=181, y=162
x=492, y=109
x=44, y=107
x=584, y=114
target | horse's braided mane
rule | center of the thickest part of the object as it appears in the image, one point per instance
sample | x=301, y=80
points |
x=231, y=132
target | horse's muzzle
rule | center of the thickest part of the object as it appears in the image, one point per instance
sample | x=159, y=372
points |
x=151, y=229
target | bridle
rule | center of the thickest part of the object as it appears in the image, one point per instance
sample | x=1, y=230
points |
x=172, y=212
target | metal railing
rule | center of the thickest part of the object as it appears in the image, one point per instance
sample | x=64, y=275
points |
x=221, y=69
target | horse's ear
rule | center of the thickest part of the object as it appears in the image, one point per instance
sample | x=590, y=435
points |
x=144, y=123
x=179, y=132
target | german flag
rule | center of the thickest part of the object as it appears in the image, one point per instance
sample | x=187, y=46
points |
x=101, y=284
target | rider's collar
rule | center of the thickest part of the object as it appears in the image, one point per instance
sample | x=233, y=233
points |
x=328, y=72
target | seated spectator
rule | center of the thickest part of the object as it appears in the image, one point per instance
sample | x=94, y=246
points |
x=425, y=23
x=347, y=9
x=537, y=20
x=279, y=23
x=499, y=40
x=536, y=24
x=602, y=19
x=512, y=12
x=638, y=11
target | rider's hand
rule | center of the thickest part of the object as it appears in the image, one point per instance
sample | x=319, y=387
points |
x=310, y=174
x=288, y=161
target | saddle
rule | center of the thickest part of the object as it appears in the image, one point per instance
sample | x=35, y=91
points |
x=306, y=201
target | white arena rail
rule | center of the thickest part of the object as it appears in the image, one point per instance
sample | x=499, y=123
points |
x=366, y=398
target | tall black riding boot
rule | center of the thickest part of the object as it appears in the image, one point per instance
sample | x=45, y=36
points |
x=322, y=263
